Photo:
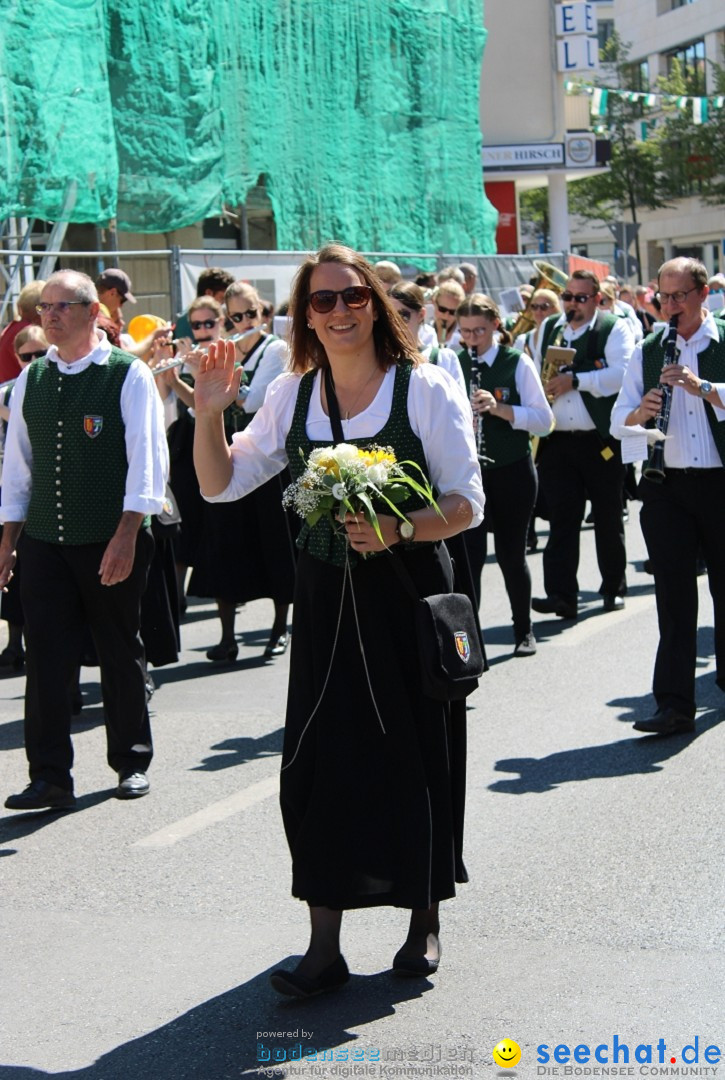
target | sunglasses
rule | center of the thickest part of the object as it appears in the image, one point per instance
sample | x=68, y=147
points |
x=445, y=310
x=28, y=356
x=354, y=296
x=544, y=306
x=203, y=324
x=405, y=315
x=239, y=316
x=579, y=297
x=605, y=301
x=60, y=307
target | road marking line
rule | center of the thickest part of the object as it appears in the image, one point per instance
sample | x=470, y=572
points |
x=211, y=815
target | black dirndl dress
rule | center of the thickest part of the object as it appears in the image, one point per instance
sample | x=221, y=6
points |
x=373, y=772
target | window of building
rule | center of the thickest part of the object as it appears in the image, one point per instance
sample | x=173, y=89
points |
x=665, y=6
x=691, y=59
x=605, y=29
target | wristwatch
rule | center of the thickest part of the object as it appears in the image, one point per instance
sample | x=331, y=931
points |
x=406, y=531
x=705, y=387
x=574, y=381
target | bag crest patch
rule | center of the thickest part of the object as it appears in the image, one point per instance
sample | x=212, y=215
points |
x=92, y=426
x=463, y=647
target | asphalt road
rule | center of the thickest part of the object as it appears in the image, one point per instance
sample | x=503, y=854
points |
x=137, y=937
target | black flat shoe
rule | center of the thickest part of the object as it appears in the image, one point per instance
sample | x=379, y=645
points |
x=276, y=646
x=223, y=653
x=415, y=966
x=291, y=984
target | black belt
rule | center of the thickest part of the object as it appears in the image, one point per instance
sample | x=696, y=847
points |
x=690, y=469
x=589, y=431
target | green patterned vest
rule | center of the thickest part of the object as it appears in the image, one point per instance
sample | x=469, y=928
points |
x=503, y=444
x=77, y=436
x=710, y=364
x=589, y=357
x=324, y=541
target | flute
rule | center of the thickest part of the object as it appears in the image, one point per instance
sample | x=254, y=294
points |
x=654, y=469
x=178, y=361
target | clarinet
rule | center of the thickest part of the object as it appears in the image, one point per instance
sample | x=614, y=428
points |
x=478, y=417
x=654, y=470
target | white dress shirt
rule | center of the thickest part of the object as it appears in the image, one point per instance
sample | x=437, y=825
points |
x=447, y=361
x=689, y=443
x=569, y=410
x=272, y=363
x=534, y=413
x=146, y=447
x=439, y=415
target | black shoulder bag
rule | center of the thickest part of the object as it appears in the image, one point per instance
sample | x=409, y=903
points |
x=446, y=629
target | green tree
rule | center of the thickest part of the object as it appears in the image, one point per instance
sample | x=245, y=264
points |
x=534, y=211
x=633, y=179
x=690, y=157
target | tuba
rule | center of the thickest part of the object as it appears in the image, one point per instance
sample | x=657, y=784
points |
x=550, y=277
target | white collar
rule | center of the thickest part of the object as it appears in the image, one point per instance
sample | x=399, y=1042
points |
x=98, y=355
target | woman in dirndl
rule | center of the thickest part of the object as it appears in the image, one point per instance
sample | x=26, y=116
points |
x=373, y=771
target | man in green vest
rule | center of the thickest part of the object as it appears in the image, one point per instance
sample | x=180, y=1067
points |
x=683, y=505
x=579, y=460
x=86, y=463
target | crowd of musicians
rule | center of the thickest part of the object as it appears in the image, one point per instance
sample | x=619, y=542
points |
x=564, y=398
x=506, y=420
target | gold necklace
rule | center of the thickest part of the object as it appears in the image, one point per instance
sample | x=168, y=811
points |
x=360, y=393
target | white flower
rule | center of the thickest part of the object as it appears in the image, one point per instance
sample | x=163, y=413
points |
x=338, y=492
x=377, y=474
x=345, y=452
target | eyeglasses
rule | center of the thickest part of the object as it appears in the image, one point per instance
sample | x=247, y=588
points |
x=28, y=356
x=676, y=297
x=60, y=307
x=354, y=296
x=476, y=331
x=445, y=310
x=239, y=316
x=543, y=306
x=205, y=324
x=579, y=297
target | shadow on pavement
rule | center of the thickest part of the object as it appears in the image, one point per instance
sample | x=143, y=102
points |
x=625, y=757
x=240, y=751
x=218, y=1039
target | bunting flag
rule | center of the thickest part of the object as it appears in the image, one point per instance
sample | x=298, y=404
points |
x=699, y=110
x=600, y=98
x=701, y=106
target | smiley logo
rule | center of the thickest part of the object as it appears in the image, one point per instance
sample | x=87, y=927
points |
x=507, y=1054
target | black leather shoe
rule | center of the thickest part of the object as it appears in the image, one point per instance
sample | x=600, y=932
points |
x=612, y=603
x=12, y=658
x=276, y=646
x=132, y=784
x=666, y=722
x=40, y=795
x=291, y=984
x=554, y=605
x=223, y=653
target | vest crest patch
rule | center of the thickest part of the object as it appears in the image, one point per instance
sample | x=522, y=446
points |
x=92, y=425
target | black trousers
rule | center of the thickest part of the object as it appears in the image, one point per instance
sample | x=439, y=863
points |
x=679, y=517
x=571, y=471
x=510, y=498
x=62, y=596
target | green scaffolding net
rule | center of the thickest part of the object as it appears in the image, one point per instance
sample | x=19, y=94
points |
x=361, y=116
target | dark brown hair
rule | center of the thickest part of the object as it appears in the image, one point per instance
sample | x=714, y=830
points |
x=409, y=294
x=483, y=306
x=390, y=334
x=587, y=275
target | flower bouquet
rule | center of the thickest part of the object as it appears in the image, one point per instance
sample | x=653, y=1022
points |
x=346, y=478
